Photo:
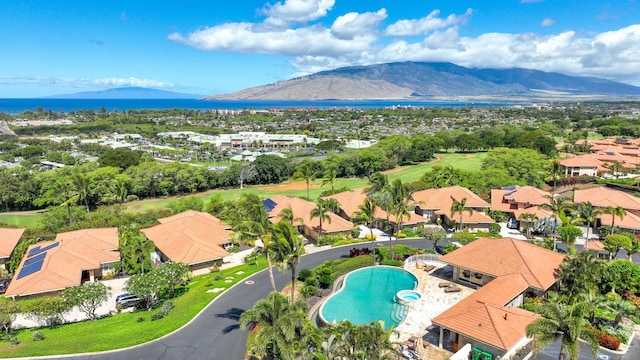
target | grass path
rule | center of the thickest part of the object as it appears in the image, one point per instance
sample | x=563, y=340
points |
x=408, y=174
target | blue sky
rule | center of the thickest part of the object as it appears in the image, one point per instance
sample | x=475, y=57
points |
x=209, y=47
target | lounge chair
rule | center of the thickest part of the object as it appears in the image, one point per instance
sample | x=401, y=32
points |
x=429, y=268
x=451, y=289
x=445, y=284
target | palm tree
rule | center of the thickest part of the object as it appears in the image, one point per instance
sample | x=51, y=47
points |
x=81, y=184
x=580, y=275
x=251, y=221
x=320, y=212
x=556, y=205
x=460, y=207
x=529, y=219
x=280, y=325
x=330, y=177
x=399, y=196
x=121, y=194
x=614, y=211
x=554, y=173
x=135, y=248
x=287, y=214
x=289, y=246
x=304, y=172
x=73, y=199
x=366, y=213
x=562, y=322
x=588, y=214
x=622, y=308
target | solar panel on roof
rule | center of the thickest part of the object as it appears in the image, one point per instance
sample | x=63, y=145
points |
x=34, y=251
x=33, y=259
x=40, y=250
x=269, y=204
x=28, y=270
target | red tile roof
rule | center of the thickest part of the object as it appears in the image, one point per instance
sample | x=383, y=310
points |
x=350, y=200
x=63, y=264
x=302, y=209
x=191, y=237
x=440, y=201
x=8, y=240
x=507, y=256
x=603, y=196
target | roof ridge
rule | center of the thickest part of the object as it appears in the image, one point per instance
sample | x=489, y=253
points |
x=526, y=262
x=493, y=324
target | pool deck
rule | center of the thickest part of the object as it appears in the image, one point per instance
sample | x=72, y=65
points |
x=434, y=301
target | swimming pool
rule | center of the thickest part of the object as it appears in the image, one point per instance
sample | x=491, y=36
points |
x=368, y=295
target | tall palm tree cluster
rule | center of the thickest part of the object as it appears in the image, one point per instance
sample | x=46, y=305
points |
x=280, y=330
x=568, y=315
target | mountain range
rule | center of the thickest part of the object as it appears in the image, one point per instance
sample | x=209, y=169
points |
x=433, y=81
x=128, y=93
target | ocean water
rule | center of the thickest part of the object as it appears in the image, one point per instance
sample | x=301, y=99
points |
x=16, y=106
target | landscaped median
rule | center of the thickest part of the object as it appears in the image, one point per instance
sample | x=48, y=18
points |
x=128, y=329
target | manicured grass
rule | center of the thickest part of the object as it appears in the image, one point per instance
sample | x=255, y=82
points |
x=124, y=329
x=27, y=219
x=408, y=174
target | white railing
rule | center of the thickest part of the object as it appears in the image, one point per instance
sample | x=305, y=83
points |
x=431, y=259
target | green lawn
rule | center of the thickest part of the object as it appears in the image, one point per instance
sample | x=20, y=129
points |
x=125, y=329
x=408, y=174
x=17, y=219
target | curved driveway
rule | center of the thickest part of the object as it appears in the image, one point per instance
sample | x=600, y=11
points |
x=215, y=334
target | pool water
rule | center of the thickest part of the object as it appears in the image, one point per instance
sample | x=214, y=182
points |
x=368, y=295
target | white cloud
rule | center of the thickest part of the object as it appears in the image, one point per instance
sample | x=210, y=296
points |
x=548, y=22
x=296, y=11
x=350, y=25
x=87, y=83
x=426, y=24
x=362, y=39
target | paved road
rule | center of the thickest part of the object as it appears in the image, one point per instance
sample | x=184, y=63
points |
x=215, y=333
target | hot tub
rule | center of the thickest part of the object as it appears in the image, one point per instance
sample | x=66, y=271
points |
x=406, y=297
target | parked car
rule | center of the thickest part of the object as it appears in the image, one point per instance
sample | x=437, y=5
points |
x=512, y=223
x=127, y=301
x=3, y=286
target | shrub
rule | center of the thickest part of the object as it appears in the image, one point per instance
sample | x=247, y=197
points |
x=409, y=232
x=400, y=235
x=348, y=242
x=140, y=319
x=401, y=252
x=494, y=228
x=304, y=274
x=37, y=335
x=309, y=291
x=331, y=239
x=612, y=296
x=355, y=232
x=164, y=311
x=358, y=252
x=234, y=249
x=13, y=340
x=351, y=264
x=463, y=237
x=396, y=263
x=324, y=276
x=370, y=237
x=608, y=341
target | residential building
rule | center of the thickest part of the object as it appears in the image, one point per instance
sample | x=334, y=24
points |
x=505, y=270
x=518, y=200
x=71, y=259
x=436, y=204
x=309, y=227
x=195, y=238
x=8, y=240
x=602, y=197
x=351, y=199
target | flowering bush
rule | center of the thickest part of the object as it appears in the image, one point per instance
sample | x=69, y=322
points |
x=608, y=341
x=370, y=236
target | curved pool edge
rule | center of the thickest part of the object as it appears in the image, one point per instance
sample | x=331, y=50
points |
x=344, y=279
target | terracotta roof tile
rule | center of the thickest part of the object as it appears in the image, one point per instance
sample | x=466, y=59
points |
x=8, y=240
x=507, y=256
x=191, y=237
x=302, y=209
x=603, y=196
x=63, y=264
